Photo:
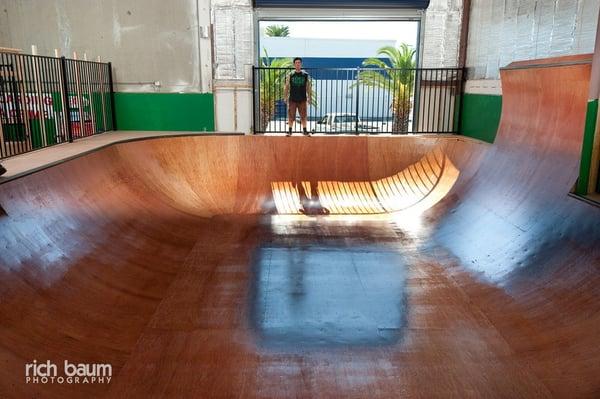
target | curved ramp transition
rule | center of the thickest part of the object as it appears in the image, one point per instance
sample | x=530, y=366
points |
x=465, y=270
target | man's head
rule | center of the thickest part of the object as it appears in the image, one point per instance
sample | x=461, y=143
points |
x=298, y=63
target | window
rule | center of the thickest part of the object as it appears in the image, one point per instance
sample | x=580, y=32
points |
x=345, y=118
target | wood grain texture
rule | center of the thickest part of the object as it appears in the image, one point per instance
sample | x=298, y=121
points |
x=166, y=259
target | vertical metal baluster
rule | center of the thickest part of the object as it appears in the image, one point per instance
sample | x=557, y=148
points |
x=65, y=98
x=86, y=91
x=90, y=71
x=424, y=93
x=28, y=100
x=260, y=97
x=435, y=110
x=319, y=95
x=327, y=98
x=254, y=129
x=45, y=116
x=459, y=96
x=5, y=89
x=417, y=100
x=54, y=89
x=429, y=100
x=356, y=99
x=103, y=90
x=395, y=92
x=24, y=101
x=4, y=115
x=275, y=82
x=343, y=97
x=439, y=98
x=389, y=96
x=95, y=93
x=442, y=111
x=111, y=88
x=446, y=105
x=376, y=101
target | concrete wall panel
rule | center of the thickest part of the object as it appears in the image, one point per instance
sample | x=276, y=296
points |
x=503, y=31
x=442, y=34
x=147, y=41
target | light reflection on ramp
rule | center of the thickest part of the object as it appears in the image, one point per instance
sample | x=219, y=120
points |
x=417, y=188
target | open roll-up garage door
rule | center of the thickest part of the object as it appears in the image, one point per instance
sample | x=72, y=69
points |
x=412, y=4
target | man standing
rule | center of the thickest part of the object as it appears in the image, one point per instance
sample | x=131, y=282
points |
x=297, y=93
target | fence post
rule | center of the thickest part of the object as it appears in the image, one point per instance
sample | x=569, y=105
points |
x=416, y=100
x=357, y=96
x=112, y=97
x=254, y=130
x=460, y=96
x=65, y=96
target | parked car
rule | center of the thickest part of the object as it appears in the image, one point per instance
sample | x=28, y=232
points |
x=337, y=122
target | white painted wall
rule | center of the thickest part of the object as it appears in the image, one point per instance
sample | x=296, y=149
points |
x=233, y=108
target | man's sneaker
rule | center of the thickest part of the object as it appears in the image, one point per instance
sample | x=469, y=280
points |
x=288, y=134
x=2, y=170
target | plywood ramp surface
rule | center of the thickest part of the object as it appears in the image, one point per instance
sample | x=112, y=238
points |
x=322, y=267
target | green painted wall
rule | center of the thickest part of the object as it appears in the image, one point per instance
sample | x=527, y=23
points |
x=587, y=147
x=481, y=116
x=165, y=111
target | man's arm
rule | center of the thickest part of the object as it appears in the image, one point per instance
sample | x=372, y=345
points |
x=286, y=89
x=309, y=89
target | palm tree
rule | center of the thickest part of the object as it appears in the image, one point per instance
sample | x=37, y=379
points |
x=399, y=78
x=272, y=86
x=277, y=31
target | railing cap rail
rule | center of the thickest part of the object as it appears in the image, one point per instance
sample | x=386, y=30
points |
x=19, y=53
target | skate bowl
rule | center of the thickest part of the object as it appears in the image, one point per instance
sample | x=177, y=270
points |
x=143, y=255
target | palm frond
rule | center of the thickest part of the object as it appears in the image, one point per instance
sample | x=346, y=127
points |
x=277, y=31
x=375, y=62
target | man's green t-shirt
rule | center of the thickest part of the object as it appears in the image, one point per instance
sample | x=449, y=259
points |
x=298, y=83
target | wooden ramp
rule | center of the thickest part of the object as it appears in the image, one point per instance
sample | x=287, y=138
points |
x=432, y=266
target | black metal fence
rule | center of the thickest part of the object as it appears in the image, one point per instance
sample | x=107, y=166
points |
x=364, y=100
x=46, y=101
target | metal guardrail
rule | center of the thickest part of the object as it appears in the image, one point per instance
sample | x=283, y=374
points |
x=364, y=100
x=47, y=100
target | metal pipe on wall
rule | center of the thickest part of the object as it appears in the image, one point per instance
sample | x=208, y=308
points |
x=464, y=33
